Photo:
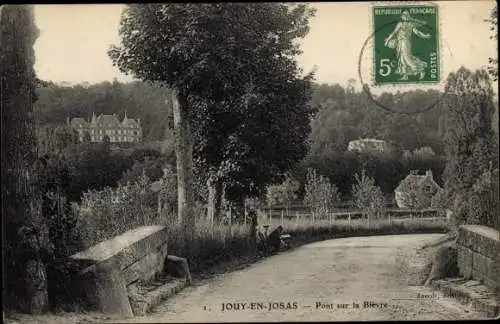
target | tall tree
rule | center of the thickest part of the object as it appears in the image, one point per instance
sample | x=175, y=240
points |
x=227, y=65
x=24, y=269
x=493, y=61
x=470, y=145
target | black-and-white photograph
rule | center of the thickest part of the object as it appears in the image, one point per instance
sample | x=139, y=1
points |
x=249, y=162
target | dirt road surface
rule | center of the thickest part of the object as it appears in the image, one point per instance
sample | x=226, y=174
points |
x=313, y=281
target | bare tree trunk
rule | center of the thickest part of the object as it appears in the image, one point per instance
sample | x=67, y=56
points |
x=184, y=154
x=214, y=199
x=23, y=227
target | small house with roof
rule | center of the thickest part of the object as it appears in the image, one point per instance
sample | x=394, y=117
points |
x=416, y=191
x=128, y=130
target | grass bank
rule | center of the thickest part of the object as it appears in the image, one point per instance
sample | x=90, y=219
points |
x=221, y=248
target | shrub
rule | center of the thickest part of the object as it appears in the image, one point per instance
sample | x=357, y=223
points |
x=110, y=212
x=368, y=196
x=284, y=193
x=320, y=195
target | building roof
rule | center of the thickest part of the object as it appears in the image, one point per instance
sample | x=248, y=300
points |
x=369, y=140
x=78, y=120
x=414, y=180
x=129, y=121
x=107, y=119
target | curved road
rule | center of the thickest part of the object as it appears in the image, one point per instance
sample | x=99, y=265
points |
x=311, y=281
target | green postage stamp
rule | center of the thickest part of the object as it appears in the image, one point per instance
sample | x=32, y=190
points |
x=406, y=44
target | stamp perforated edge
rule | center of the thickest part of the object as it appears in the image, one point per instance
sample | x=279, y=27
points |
x=405, y=85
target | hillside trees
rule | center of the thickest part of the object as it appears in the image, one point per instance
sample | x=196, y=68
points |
x=53, y=139
x=470, y=142
x=139, y=100
x=223, y=90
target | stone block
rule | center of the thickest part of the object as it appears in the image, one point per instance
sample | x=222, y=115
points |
x=479, y=266
x=482, y=239
x=493, y=274
x=178, y=267
x=141, y=248
x=462, y=236
x=105, y=290
x=464, y=260
x=107, y=268
x=146, y=268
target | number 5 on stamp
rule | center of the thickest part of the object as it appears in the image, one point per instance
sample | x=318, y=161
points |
x=406, y=44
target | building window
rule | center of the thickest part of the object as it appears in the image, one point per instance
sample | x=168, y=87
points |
x=100, y=131
x=79, y=125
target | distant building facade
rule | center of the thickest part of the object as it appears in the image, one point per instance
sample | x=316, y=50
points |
x=369, y=145
x=127, y=131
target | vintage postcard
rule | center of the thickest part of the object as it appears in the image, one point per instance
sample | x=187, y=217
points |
x=250, y=162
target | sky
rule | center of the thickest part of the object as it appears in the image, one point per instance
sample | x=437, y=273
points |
x=74, y=40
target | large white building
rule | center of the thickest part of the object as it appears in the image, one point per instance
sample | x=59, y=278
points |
x=369, y=145
x=128, y=130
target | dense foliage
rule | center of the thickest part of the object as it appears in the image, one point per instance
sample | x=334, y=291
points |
x=284, y=193
x=493, y=61
x=56, y=103
x=241, y=107
x=332, y=129
x=471, y=143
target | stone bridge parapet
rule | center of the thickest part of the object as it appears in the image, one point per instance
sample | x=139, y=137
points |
x=478, y=249
x=107, y=270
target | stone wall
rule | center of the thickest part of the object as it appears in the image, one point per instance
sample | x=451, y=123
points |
x=478, y=250
x=109, y=270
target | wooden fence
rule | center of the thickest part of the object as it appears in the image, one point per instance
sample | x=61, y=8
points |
x=279, y=216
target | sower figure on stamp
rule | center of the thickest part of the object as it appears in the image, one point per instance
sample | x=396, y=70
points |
x=401, y=40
